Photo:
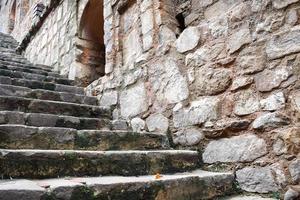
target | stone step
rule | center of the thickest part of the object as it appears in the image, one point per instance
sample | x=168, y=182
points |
x=195, y=185
x=36, y=77
x=8, y=40
x=44, y=66
x=12, y=58
x=24, y=64
x=8, y=45
x=246, y=197
x=33, y=71
x=28, y=137
x=41, y=85
x=62, y=163
x=19, y=91
x=50, y=120
x=6, y=50
x=52, y=107
x=7, y=37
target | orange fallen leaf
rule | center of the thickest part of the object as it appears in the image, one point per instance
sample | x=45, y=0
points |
x=158, y=176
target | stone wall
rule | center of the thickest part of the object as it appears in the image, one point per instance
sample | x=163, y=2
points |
x=227, y=84
x=53, y=43
x=221, y=76
x=24, y=17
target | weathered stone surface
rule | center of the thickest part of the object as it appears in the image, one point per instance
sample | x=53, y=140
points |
x=205, y=54
x=119, y=125
x=291, y=139
x=247, y=103
x=279, y=174
x=109, y=99
x=284, y=44
x=147, y=21
x=132, y=47
x=259, y=179
x=270, y=120
x=52, y=107
x=251, y=60
x=241, y=82
x=239, y=12
x=168, y=82
x=270, y=79
x=217, y=9
x=211, y=81
x=137, y=124
x=238, y=39
x=133, y=101
x=279, y=147
x=294, y=169
x=219, y=25
x=296, y=101
x=157, y=122
x=205, y=109
x=282, y=3
x=232, y=125
x=188, y=39
x=202, y=4
x=244, y=148
x=177, y=186
x=255, y=197
x=25, y=137
x=259, y=5
x=188, y=137
x=292, y=17
x=291, y=195
x=166, y=36
x=273, y=102
x=20, y=189
x=54, y=163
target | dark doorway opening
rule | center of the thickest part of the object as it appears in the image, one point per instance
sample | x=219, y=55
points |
x=91, y=41
x=181, y=22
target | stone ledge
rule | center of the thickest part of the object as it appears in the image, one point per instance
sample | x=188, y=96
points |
x=181, y=186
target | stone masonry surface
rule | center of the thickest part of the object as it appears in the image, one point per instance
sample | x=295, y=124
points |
x=218, y=76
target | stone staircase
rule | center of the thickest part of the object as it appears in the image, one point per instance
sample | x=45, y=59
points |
x=57, y=143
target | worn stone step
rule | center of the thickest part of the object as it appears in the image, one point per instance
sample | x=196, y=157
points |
x=28, y=137
x=19, y=91
x=8, y=40
x=37, y=77
x=17, y=63
x=6, y=50
x=8, y=45
x=7, y=37
x=13, y=59
x=50, y=120
x=61, y=163
x=194, y=185
x=13, y=56
x=33, y=71
x=52, y=107
x=44, y=66
x=41, y=85
x=246, y=197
